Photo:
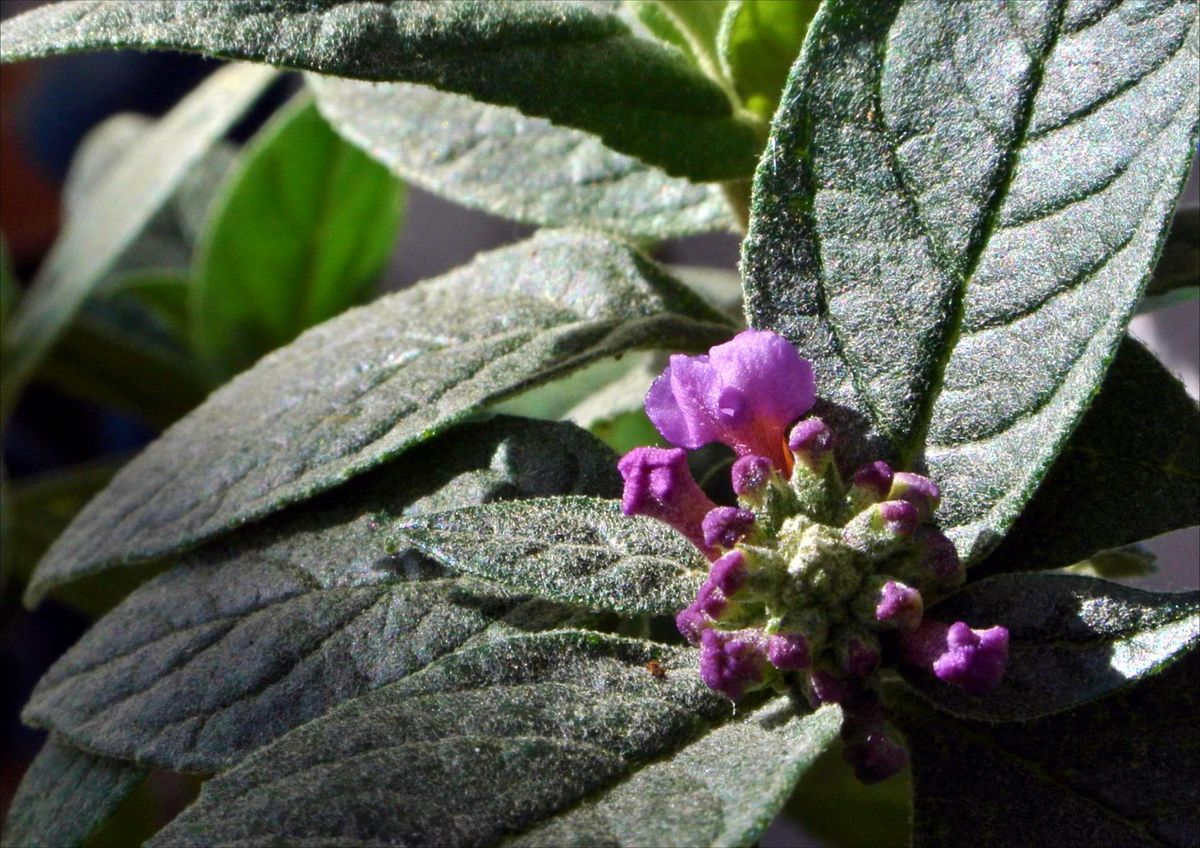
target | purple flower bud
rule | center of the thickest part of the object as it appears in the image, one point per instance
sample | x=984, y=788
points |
x=725, y=526
x=971, y=659
x=899, y=606
x=728, y=574
x=732, y=662
x=858, y=656
x=751, y=474
x=939, y=558
x=920, y=491
x=827, y=687
x=744, y=394
x=875, y=756
x=873, y=482
x=900, y=517
x=812, y=442
x=789, y=651
x=701, y=613
x=659, y=484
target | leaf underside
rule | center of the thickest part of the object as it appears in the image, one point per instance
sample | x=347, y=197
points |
x=955, y=217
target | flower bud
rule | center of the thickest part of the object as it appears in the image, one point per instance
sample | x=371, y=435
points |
x=659, y=484
x=870, y=485
x=974, y=660
x=883, y=528
x=751, y=475
x=732, y=662
x=898, y=606
x=729, y=573
x=938, y=558
x=875, y=756
x=920, y=491
x=858, y=654
x=725, y=526
x=789, y=651
x=811, y=441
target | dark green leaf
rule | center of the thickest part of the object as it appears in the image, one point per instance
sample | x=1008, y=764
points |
x=1121, y=771
x=65, y=795
x=759, y=42
x=498, y=160
x=567, y=731
x=1177, y=275
x=1131, y=470
x=1073, y=639
x=301, y=232
x=116, y=214
x=574, y=64
x=573, y=550
x=257, y=633
x=375, y=381
x=955, y=217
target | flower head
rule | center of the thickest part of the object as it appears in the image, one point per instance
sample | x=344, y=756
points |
x=744, y=393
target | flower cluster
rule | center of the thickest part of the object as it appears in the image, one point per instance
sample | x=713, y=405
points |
x=813, y=580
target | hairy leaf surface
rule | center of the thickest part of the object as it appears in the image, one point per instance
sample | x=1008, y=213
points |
x=575, y=64
x=552, y=729
x=364, y=387
x=257, y=633
x=1131, y=470
x=301, y=232
x=574, y=550
x=513, y=165
x=117, y=212
x=65, y=795
x=955, y=217
x=1121, y=771
x=1073, y=639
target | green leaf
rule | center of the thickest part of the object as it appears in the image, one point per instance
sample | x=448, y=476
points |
x=65, y=795
x=574, y=64
x=528, y=169
x=572, y=550
x=1177, y=276
x=955, y=217
x=1121, y=771
x=257, y=633
x=1117, y=563
x=373, y=383
x=116, y=214
x=695, y=23
x=759, y=41
x=567, y=731
x=301, y=232
x=1073, y=639
x=1141, y=436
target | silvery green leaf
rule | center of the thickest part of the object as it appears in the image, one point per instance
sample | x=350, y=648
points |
x=368, y=385
x=551, y=738
x=274, y=625
x=513, y=165
x=65, y=795
x=576, y=64
x=955, y=217
x=1073, y=639
x=568, y=549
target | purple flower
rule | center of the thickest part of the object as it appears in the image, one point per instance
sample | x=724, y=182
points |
x=812, y=442
x=858, y=656
x=900, y=517
x=744, y=393
x=920, y=491
x=729, y=572
x=875, y=756
x=725, y=526
x=971, y=659
x=939, y=558
x=659, y=484
x=872, y=482
x=789, y=651
x=731, y=662
x=751, y=474
x=899, y=606
x=702, y=613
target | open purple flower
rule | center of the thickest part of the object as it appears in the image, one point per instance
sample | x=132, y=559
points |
x=744, y=393
x=659, y=484
x=971, y=659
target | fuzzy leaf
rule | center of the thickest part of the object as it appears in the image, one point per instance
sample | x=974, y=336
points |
x=759, y=41
x=573, y=550
x=1177, y=275
x=955, y=217
x=301, y=232
x=117, y=213
x=575, y=64
x=257, y=633
x=528, y=169
x=1121, y=771
x=1141, y=435
x=65, y=795
x=559, y=729
x=1073, y=639
x=376, y=381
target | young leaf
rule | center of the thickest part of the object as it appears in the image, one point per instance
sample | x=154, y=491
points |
x=300, y=233
x=1073, y=639
x=1177, y=274
x=373, y=383
x=528, y=169
x=257, y=633
x=572, y=550
x=65, y=795
x=696, y=23
x=117, y=213
x=954, y=218
x=1141, y=434
x=558, y=730
x=1121, y=771
x=574, y=64
x=759, y=41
